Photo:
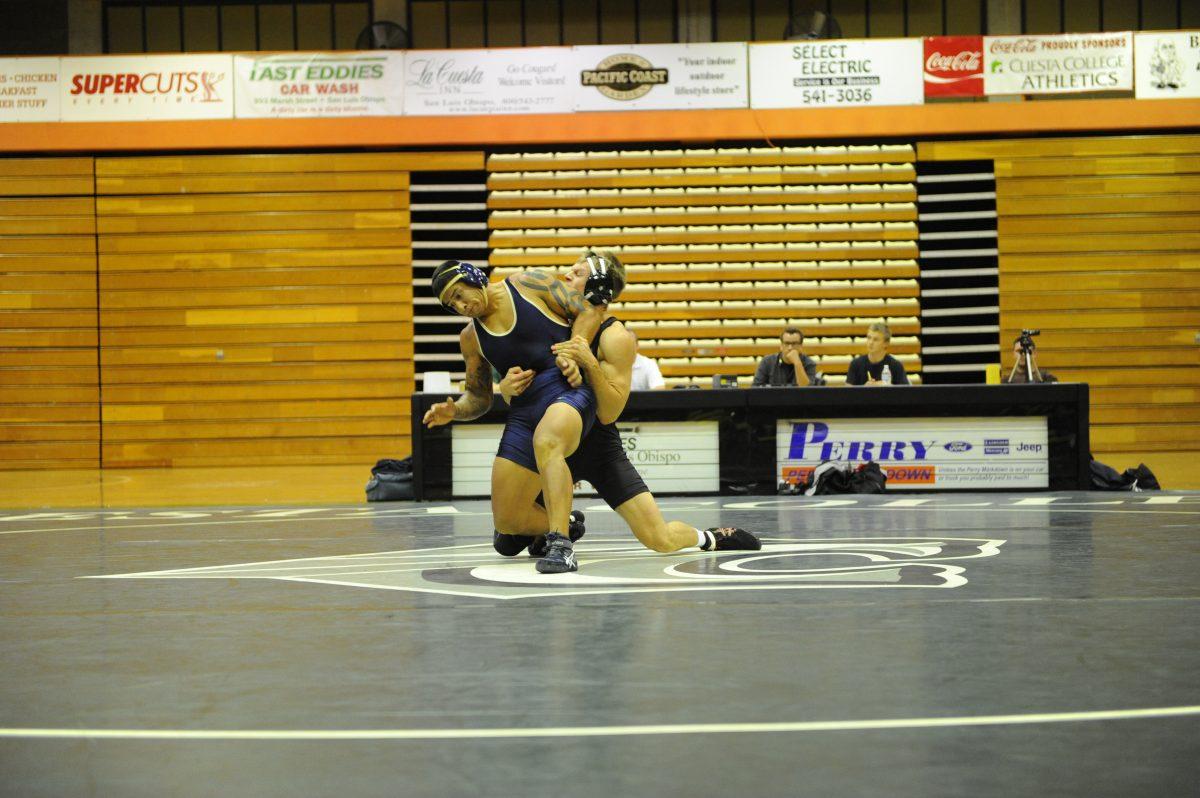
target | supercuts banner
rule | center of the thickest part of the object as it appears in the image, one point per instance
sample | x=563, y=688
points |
x=146, y=88
x=954, y=66
x=1058, y=64
x=922, y=453
x=320, y=84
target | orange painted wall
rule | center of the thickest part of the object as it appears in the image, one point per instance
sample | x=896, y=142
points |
x=974, y=119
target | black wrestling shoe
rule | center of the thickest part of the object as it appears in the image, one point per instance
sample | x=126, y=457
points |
x=510, y=545
x=575, y=529
x=560, y=556
x=731, y=538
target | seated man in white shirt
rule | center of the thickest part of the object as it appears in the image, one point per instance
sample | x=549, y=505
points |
x=646, y=376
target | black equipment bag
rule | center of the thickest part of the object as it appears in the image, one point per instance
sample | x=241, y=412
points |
x=1105, y=477
x=829, y=477
x=391, y=481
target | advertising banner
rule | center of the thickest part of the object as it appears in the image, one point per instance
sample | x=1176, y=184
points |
x=671, y=456
x=954, y=66
x=841, y=72
x=659, y=76
x=922, y=453
x=1168, y=64
x=146, y=88
x=319, y=84
x=534, y=80
x=1058, y=64
x=29, y=89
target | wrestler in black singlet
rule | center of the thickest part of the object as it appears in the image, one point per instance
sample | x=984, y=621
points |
x=601, y=458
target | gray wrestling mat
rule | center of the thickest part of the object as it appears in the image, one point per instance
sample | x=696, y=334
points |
x=987, y=644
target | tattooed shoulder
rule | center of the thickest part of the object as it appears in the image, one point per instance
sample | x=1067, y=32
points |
x=535, y=278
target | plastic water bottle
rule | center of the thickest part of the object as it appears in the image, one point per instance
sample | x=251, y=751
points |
x=886, y=375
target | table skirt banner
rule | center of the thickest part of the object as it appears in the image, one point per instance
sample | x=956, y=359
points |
x=922, y=453
x=671, y=456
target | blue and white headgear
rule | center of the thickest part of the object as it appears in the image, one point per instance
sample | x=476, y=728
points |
x=451, y=272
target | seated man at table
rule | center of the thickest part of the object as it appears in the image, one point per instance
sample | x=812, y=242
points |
x=876, y=367
x=790, y=367
x=646, y=374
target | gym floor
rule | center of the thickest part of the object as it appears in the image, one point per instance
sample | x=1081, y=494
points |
x=948, y=645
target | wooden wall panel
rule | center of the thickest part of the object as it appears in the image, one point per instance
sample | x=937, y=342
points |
x=49, y=385
x=1100, y=249
x=255, y=309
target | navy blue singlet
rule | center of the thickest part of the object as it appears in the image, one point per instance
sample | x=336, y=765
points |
x=527, y=344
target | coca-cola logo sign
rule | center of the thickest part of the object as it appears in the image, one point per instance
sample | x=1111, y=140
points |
x=953, y=66
x=962, y=61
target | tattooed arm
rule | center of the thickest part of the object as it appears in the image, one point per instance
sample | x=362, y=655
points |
x=561, y=300
x=478, y=398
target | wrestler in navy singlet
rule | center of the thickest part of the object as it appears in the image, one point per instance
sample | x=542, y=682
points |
x=527, y=344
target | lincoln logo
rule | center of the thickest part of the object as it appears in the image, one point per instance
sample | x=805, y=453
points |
x=624, y=76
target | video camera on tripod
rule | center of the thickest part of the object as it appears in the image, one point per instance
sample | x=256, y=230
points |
x=1025, y=342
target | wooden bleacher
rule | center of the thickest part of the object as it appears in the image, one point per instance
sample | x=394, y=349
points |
x=1100, y=249
x=725, y=247
x=254, y=308
x=49, y=384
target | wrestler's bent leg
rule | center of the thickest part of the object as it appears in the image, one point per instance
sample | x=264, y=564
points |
x=514, y=489
x=646, y=522
x=554, y=439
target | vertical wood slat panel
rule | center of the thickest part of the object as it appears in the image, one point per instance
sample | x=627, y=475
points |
x=49, y=385
x=248, y=319
x=1109, y=276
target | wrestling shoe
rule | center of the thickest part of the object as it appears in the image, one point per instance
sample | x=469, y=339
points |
x=560, y=556
x=575, y=529
x=730, y=538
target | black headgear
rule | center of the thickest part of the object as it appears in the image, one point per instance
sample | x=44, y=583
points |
x=599, y=286
x=451, y=272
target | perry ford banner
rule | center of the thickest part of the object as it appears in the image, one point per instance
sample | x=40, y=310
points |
x=146, y=88
x=838, y=72
x=1058, y=64
x=922, y=453
x=320, y=84
x=1168, y=64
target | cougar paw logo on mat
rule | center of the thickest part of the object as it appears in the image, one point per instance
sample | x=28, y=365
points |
x=624, y=76
x=619, y=566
